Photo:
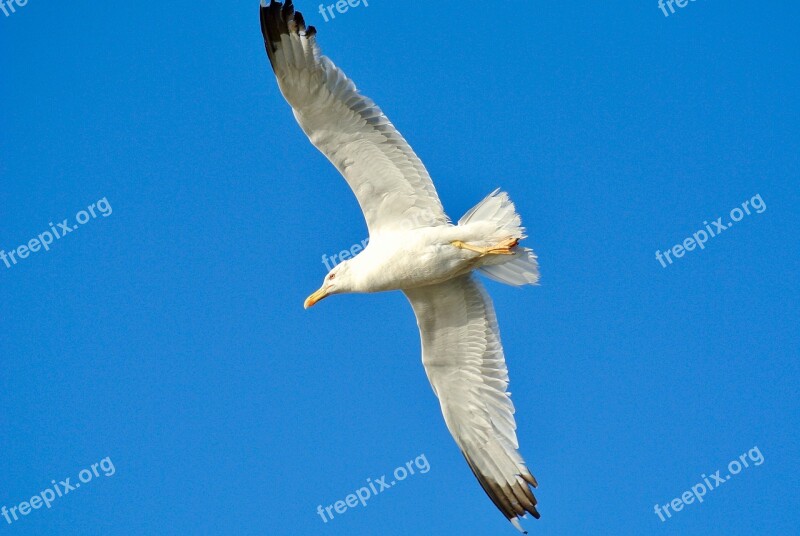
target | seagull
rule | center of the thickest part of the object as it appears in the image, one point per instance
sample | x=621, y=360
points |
x=414, y=247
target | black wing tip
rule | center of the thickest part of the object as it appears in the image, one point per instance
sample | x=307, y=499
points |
x=279, y=18
x=502, y=494
x=530, y=479
x=529, y=509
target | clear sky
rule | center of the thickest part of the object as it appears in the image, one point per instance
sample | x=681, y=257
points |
x=164, y=341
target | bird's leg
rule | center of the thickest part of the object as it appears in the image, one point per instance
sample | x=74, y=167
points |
x=505, y=247
x=462, y=245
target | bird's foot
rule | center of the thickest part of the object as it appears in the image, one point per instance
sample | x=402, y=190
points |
x=505, y=247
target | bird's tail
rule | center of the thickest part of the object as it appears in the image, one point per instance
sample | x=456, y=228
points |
x=518, y=269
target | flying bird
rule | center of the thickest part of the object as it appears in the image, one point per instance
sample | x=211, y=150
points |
x=414, y=247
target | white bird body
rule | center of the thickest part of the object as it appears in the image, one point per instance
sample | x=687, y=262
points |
x=404, y=259
x=415, y=248
x=420, y=257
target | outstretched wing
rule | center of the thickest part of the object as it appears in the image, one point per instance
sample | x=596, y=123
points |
x=391, y=184
x=464, y=361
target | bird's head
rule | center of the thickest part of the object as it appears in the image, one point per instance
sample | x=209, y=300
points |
x=337, y=281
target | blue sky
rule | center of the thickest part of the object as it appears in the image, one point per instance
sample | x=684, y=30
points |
x=169, y=336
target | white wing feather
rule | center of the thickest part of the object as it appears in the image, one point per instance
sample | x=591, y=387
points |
x=390, y=182
x=464, y=360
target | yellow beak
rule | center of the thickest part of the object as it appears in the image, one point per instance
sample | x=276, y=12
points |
x=319, y=295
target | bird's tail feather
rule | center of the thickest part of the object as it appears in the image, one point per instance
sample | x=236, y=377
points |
x=498, y=209
x=518, y=269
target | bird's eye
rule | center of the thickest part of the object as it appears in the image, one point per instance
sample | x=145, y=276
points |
x=331, y=276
